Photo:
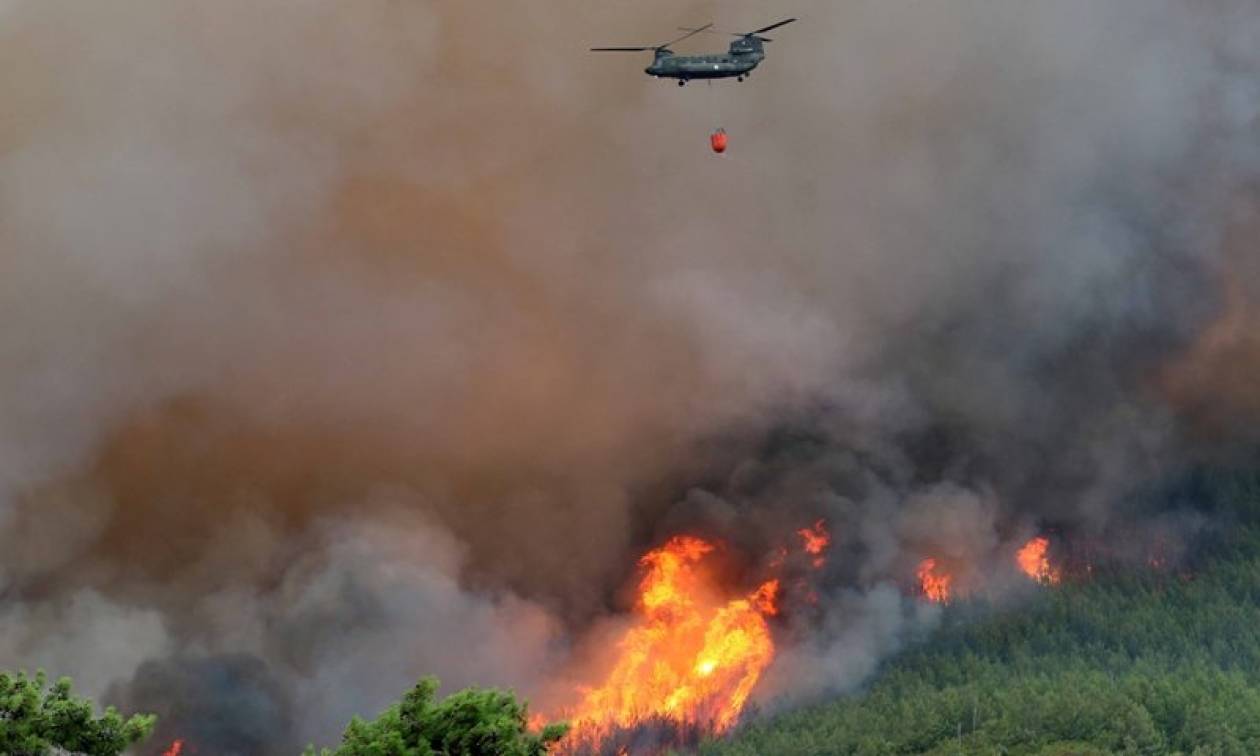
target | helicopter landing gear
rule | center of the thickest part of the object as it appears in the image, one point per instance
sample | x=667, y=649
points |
x=739, y=78
x=682, y=82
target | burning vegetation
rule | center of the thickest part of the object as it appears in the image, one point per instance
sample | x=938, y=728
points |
x=935, y=583
x=816, y=539
x=693, y=656
x=688, y=665
x=697, y=649
x=1034, y=561
x=938, y=583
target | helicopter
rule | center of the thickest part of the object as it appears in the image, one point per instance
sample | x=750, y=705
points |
x=744, y=54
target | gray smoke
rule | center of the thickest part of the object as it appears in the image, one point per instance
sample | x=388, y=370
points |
x=349, y=342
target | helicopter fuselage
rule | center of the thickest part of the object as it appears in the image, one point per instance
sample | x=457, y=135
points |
x=721, y=66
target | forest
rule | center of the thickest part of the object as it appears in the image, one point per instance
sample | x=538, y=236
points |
x=1132, y=660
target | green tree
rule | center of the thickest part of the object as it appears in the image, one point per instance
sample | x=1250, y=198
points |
x=35, y=720
x=466, y=723
x=1129, y=661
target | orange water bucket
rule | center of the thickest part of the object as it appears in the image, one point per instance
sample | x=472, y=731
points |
x=717, y=141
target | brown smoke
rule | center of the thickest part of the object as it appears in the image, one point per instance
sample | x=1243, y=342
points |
x=1215, y=382
x=339, y=335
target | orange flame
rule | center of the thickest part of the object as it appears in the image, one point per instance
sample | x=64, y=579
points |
x=1035, y=563
x=692, y=659
x=766, y=598
x=935, y=584
x=816, y=540
x=176, y=748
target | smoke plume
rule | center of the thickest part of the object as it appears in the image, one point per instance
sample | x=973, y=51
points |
x=349, y=342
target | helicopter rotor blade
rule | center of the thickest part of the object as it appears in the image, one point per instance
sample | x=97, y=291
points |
x=710, y=31
x=784, y=22
x=753, y=34
x=728, y=34
x=690, y=33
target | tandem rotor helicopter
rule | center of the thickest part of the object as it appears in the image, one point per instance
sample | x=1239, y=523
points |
x=743, y=55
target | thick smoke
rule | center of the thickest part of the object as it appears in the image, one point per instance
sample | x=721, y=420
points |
x=350, y=342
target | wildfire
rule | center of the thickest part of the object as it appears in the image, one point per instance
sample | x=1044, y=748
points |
x=692, y=659
x=816, y=540
x=934, y=583
x=175, y=750
x=1035, y=563
x=766, y=598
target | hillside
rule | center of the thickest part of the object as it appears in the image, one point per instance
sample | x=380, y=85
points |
x=1130, y=661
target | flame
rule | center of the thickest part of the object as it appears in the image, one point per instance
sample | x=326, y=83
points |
x=816, y=540
x=176, y=748
x=766, y=598
x=692, y=659
x=1035, y=563
x=935, y=584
